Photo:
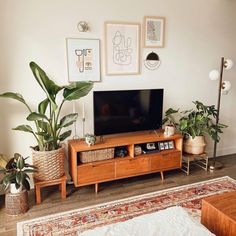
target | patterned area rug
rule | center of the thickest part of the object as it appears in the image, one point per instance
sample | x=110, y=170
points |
x=77, y=221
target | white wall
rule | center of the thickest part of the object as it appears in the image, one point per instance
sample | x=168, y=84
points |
x=198, y=33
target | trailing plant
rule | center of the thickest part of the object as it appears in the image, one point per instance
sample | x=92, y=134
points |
x=170, y=117
x=201, y=121
x=16, y=172
x=49, y=125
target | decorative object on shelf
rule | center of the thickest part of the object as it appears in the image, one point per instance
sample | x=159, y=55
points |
x=169, y=130
x=16, y=183
x=197, y=122
x=137, y=150
x=121, y=151
x=90, y=139
x=224, y=87
x=49, y=124
x=122, y=42
x=161, y=146
x=171, y=144
x=167, y=145
x=97, y=155
x=170, y=121
x=83, y=26
x=150, y=148
x=153, y=28
x=152, y=61
x=83, y=59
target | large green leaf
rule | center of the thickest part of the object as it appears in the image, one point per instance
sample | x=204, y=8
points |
x=171, y=111
x=19, y=177
x=20, y=163
x=77, y=90
x=49, y=87
x=36, y=116
x=44, y=126
x=15, y=96
x=65, y=135
x=43, y=106
x=68, y=120
x=25, y=128
x=26, y=184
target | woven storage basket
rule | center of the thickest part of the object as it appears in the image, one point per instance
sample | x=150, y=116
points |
x=97, y=155
x=17, y=203
x=50, y=164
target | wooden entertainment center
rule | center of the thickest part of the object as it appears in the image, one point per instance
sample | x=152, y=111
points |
x=123, y=167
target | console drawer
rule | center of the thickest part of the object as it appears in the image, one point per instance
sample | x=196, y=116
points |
x=132, y=166
x=166, y=161
x=95, y=172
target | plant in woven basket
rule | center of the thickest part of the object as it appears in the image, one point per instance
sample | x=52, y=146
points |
x=50, y=128
x=49, y=124
x=16, y=173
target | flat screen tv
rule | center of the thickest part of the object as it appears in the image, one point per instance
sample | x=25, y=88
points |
x=127, y=110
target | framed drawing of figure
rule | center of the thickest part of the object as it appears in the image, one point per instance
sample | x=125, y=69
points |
x=83, y=59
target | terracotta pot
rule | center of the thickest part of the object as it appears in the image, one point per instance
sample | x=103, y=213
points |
x=195, y=145
x=50, y=164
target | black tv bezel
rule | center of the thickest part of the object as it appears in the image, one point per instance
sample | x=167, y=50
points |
x=126, y=90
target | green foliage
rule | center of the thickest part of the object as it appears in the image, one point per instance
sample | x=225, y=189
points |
x=199, y=121
x=16, y=171
x=48, y=124
x=170, y=118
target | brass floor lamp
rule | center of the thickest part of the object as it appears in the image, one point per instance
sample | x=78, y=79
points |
x=224, y=87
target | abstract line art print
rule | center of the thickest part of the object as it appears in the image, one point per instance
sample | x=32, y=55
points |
x=122, y=48
x=83, y=59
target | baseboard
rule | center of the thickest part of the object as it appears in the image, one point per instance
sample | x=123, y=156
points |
x=221, y=151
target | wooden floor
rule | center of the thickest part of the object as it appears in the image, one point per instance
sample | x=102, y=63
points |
x=85, y=196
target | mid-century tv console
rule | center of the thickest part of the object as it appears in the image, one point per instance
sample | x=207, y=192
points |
x=123, y=167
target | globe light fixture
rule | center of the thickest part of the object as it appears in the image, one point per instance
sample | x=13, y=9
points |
x=214, y=75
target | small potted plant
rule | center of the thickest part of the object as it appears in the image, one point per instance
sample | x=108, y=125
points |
x=15, y=182
x=49, y=132
x=196, y=123
x=90, y=139
x=170, y=121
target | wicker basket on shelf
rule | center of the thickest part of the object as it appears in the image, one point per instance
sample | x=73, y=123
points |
x=97, y=155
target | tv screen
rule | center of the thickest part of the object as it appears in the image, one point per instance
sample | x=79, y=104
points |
x=127, y=110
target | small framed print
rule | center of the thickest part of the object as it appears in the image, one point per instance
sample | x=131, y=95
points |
x=171, y=145
x=161, y=146
x=166, y=145
x=83, y=59
x=154, y=28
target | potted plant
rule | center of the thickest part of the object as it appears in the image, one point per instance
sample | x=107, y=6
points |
x=170, y=121
x=196, y=123
x=16, y=182
x=48, y=155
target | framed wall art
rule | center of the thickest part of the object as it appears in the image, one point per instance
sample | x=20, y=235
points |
x=83, y=59
x=153, y=33
x=122, y=45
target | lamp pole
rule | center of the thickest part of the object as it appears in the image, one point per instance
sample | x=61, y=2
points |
x=213, y=166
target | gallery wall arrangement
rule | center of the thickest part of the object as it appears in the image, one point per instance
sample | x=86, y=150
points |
x=122, y=49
